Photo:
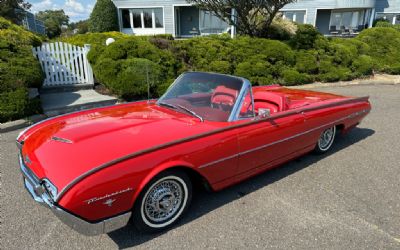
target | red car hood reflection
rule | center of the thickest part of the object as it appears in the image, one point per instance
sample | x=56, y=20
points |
x=87, y=140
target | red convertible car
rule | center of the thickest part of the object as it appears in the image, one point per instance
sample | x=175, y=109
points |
x=98, y=169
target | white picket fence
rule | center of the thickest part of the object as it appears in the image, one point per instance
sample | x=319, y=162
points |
x=64, y=64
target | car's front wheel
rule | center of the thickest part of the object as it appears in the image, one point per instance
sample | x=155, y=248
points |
x=163, y=201
x=325, y=140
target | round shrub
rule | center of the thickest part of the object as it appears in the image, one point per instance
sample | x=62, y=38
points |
x=384, y=46
x=197, y=53
x=336, y=74
x=293, y=77
x=273, y=51
x=257, y=71
x=129, y=78
x=13, y=104
x=93, y=38
x=363, y=66
x=222, y=67
x=306, y=61
x=305, y=37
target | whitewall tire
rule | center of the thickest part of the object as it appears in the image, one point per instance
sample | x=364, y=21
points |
x=162, y=202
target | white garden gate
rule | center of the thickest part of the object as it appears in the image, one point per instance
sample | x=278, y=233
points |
x=64, y=64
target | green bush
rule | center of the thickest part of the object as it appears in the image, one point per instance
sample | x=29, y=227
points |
x=383, y=23
x=305, y=37
x=129, y=78
x=363, y=66
x=335, y=74
x=15, y=104
x=222, y=67
x=19, y=70
x=293, y=77
x=306, y=61
x=257, y=71
x=93, y=38
x=124, y=66
x=384, y=46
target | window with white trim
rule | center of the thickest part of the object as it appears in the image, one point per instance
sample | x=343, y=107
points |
x=297, y=16
x=143, y=18
x=393, y=18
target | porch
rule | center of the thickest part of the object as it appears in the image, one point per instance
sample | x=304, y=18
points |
x=189, y=21
x=343, y=22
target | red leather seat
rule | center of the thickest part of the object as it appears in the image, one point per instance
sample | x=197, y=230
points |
x=273, y=102
x=224, y=97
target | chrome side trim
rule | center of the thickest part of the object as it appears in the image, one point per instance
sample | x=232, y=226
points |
x=190, y=138
x=283, y=140
x=31, y=183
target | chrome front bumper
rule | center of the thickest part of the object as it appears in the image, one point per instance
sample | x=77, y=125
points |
x=39, y=194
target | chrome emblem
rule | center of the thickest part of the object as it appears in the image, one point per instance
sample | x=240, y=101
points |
x=109, y=202
x=55, y=138
x=107, y=196
x=27, y=160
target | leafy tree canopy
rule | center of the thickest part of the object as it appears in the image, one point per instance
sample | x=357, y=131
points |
x=104, y=17
x=13, y=10
x=252, y=17
x=53, y=21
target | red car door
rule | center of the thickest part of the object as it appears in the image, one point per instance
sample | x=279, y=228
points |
x=269, y=142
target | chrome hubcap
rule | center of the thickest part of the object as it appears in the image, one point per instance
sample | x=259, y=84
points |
x=326, y=138
x=163, y=201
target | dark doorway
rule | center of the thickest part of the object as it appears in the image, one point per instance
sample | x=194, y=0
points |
x=323, y=20
x=187, y=21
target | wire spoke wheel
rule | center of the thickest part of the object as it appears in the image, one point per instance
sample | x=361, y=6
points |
x=325, y=140
x=163, y=202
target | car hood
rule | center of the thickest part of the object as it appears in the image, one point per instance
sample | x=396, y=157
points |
x=64, y=148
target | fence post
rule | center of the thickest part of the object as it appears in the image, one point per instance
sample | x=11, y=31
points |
x=89, y=68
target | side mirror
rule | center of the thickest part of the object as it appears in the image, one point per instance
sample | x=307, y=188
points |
x=264, y=113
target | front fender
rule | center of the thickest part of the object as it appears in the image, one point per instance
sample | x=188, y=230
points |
x=113, y=190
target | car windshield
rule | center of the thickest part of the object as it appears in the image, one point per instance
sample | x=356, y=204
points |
x=204, y=95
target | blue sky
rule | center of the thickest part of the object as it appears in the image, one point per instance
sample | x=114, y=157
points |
x=75, y=9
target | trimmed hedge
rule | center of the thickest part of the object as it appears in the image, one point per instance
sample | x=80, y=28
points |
x=306, y=57
x=128, y=65
x=384, y=49
x=19, y=70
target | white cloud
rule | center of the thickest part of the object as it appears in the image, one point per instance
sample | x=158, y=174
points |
x=43, y=5
x=74, y=9
x=73, y=6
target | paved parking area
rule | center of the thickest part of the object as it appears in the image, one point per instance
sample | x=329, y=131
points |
x=348, y=199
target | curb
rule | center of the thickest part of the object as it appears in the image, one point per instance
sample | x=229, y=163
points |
x=350, y=83
x=22, y=123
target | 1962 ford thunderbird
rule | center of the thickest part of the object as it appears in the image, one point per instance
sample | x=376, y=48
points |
x=98, y=169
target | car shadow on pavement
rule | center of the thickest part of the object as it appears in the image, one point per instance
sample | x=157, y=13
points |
x=204, y=202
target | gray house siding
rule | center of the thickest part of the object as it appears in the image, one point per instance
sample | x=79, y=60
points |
x=388, y=6
x=167, y=5
x=31, y=23
x=317, y=12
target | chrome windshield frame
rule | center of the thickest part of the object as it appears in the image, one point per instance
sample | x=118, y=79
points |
x=239, y=101
x=233, y=116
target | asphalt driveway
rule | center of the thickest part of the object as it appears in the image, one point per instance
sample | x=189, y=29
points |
x=348, y=199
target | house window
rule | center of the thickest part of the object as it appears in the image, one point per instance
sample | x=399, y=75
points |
x=297, y=16
x=348, y=19
x=392, y=18
x=148, y=18
x=126, y=20
x=211, y=24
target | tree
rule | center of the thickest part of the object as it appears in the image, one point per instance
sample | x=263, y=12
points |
x=13, y=10
x=104, y=17
x=252, y=17
x=53, y=21
x=80, y=27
